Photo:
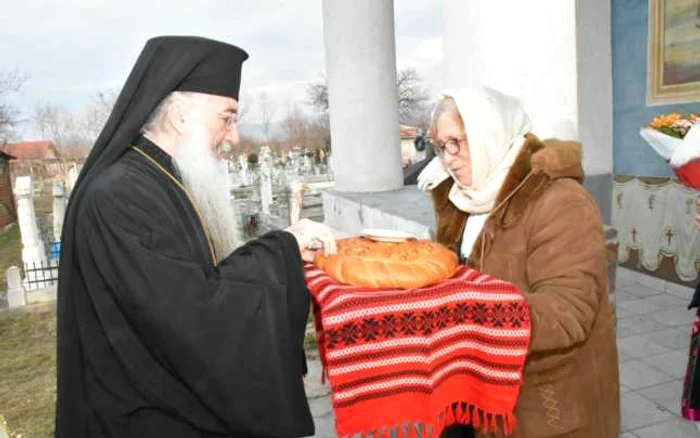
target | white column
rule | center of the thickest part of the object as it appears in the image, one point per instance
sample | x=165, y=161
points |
x=32, y=245
x=59, y=208
x=361, y=68
x=33, y=252
x=595, y=110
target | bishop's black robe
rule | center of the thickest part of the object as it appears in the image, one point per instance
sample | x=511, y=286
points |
x=161, y=342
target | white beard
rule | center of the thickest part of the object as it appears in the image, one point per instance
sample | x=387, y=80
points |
x=206, y=178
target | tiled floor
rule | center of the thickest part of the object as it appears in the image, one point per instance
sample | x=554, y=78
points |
x=653, y=335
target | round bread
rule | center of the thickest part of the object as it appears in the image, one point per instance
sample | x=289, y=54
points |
x=400, y=265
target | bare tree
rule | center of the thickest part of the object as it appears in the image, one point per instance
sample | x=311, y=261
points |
x=45, y=119
x=411, y=95
x=61, y=126
x=97, y=113
x=71, y=132
x=295, y=126
x=318, y=133
x=267, y=113
x=10, y=82
x=317, y=95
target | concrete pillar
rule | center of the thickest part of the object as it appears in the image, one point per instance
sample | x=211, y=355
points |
x=363, y=108
x=33, y=251
x=16, y=296
x=555, y=55
x=59, y=208
x=32, y=245
x=595, y=110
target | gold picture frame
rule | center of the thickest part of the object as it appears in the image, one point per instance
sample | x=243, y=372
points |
x=673, y=64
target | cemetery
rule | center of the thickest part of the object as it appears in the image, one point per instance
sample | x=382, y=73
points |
x=586, y=71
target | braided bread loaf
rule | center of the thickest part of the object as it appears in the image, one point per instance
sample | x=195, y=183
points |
x=402, y=265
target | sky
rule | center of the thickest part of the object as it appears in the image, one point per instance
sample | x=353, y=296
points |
x=70, y=50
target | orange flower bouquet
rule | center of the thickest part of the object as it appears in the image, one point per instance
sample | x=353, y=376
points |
x=676, y=137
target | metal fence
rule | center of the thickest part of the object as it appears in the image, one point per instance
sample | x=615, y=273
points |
x=40, y=274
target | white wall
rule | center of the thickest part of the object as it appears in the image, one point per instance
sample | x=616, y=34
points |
x=556, y=56
x=523, y=48
x=594, y=48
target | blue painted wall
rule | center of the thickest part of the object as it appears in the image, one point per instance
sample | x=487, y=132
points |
x=631, y=154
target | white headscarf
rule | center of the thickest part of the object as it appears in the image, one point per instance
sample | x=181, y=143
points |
x=495, y=125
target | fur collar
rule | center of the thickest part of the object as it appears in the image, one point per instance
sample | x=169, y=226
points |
x=541, y=162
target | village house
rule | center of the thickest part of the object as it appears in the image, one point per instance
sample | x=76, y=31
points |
x=8, y=210
x=36, y=158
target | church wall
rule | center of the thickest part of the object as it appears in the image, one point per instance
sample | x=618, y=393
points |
x=652, y=213
x=630, y=111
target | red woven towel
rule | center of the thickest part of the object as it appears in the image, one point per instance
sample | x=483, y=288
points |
x=450, y=353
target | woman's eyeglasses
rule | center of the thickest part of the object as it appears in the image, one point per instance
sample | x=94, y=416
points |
x=451, y=145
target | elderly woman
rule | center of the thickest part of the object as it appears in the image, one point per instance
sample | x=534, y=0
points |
x=514, y=207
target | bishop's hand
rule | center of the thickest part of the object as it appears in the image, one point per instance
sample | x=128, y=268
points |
x=312, y=237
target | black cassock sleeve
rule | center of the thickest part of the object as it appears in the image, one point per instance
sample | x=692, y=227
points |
x=228, y=338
